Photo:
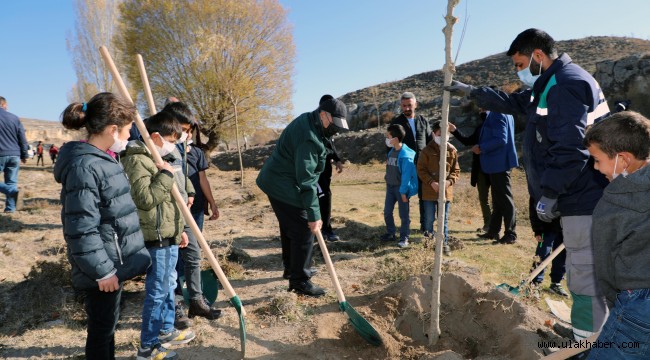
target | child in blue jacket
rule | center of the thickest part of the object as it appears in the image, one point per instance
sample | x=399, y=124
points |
x=401, y=184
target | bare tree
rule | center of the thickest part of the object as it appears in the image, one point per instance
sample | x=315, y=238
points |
x=199, y=50
x=374, y=92
x=96, y=22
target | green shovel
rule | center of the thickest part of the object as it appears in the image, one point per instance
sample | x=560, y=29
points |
x=517, y=289
x=361, y=325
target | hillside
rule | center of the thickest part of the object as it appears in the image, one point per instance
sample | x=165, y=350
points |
x=496, y=70
x=47, y=131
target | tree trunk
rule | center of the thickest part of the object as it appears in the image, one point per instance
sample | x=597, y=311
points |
x=434, y=330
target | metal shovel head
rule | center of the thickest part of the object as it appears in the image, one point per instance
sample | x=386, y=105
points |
x=236, y=303
x=361, y=325
x=511, y=289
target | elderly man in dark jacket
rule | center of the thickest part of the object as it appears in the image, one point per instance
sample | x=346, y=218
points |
x=289, y=178
x=418, y=135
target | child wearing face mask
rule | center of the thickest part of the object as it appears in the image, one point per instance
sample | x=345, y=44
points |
x=621, y=224
x=105, y=245
x=428, y=168
x=162, y=225
x=401, y=184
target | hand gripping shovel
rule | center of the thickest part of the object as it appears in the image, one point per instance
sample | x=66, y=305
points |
x=516, y=289
x=230, y=292
x=361, y=325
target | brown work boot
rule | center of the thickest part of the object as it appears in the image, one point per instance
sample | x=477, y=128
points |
x=198, y=307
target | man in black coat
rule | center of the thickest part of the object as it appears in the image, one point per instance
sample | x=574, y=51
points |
x=418, y=135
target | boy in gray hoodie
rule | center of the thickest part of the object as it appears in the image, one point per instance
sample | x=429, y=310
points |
x=621, y=224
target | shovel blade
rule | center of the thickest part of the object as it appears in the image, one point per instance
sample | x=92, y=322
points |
x=236, y=303
x=361, y=325
x=507, y=288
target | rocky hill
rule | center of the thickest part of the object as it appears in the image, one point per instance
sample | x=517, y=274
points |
x=50, y=132
x=621, y=65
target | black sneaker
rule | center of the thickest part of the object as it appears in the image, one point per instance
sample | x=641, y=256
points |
x=558, y=289
x=306, y=288
x=332, y=237
x=388, y=237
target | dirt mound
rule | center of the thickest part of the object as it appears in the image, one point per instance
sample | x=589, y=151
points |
x=476, y=321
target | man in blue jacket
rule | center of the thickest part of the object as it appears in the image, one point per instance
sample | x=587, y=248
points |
x=562, y=100
x=498, y=155
x=13, y=151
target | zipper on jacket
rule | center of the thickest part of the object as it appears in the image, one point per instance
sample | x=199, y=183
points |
x=158, y=221
x=119, y=250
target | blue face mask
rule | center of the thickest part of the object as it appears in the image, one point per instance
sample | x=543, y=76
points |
x=526, y=76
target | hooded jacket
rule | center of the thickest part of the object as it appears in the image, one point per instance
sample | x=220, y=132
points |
x=291, y=173
x=409, y=184
x=160, y=217
x=563, y=101
x=422, y=132
x=620, y=234
x=100, y=221
x=429, y=170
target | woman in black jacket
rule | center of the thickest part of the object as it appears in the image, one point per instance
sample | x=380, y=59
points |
x=105, y=246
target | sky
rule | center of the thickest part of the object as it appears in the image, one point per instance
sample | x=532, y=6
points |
x=341, y=45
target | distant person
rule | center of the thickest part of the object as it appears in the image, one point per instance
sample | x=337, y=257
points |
x=417, y=135
x=290, y=176
x=189, y=263
x=428, y=168
x=162, y=226
x=324, y=182
x=498, y=155
x=401, y=183
x=39, y=153
x=54, y=152
x=562, y=99
x=620, y=228
x=478, y=177
x=100, y=221
x=548, y=237
x=13, y=151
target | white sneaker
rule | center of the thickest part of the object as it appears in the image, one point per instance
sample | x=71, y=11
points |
x=404, y=243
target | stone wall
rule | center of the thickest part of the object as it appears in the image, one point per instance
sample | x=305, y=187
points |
x=627, y=78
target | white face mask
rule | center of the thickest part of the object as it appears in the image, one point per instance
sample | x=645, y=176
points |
x=526, y=76
x=166, y=148
x=614, y=174
x=389, y=143
x=438, y=138
x=119, y=145
x=183, y=138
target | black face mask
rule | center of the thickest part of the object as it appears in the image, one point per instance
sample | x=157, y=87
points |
x=483, y=115
x=331, y=130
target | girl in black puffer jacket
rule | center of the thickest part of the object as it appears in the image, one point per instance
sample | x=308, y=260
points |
x=100, y=222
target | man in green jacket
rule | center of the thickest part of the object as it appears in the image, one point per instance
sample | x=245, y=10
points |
x=289, y=178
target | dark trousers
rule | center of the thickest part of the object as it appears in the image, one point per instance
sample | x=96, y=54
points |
x=325, y=199
x=551, y=240
x=297, y=240
x=103, y=311
x=503, y=204
x=421, y=206
x=483, y=187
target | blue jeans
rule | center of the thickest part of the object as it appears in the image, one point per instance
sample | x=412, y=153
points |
x=627, y=328
x=393, y=196
x=430, y=210
x=9, y=166
x=159, y=308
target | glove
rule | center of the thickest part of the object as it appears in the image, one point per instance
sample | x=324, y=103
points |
x=547, y=209
x=458, y=88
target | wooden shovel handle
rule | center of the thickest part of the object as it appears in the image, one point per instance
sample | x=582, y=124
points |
x=117, y=78
x=544, y=263
x=330, y=266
